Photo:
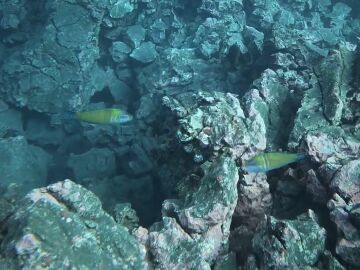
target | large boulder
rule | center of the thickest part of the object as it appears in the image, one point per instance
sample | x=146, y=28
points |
x=63, y=226
x=292, y=243
x=22, y=164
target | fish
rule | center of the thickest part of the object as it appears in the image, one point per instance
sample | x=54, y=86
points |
x=103, y=116
x=269, y=161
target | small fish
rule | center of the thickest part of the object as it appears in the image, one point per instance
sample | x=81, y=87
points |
x=269, y=161
x=103, y=116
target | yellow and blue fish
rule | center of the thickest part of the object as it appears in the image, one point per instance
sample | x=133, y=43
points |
x=103, y=116
x=269, y=161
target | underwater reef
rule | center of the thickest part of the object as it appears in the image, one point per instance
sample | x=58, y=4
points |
x=133, y=133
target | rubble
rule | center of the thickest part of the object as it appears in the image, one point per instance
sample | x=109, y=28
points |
x=209, y=85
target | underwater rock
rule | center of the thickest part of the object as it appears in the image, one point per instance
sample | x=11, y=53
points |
x=289, y=193
x=157, y=31
x=14, y=13
x=292, y=243
x=198, y=214
x=337, y=154
x=254, y=39
x=312, y=41
x=328, y=261
x=210, y=47
x=9, y=22
x=148, y=108
x=173, y=173
x=286, y=17
x=39, y=132
x=165, y=21
x=177, y=66
x=355, y=214
x=264, y=12
x=58, y=58
x=357, y=130
x=121, y=92
x=123, y=73
x=240, y=240
x=210, y=121
x=346, y=181
x=11, y=123
x=145, y=53
x=126, y=216
x=218, y=8
x=10, y=198
x=316, y=188
x=349, y=251
x=130, y=199
x=208, y=37
x=309, y=116
x=334, y=75
x=223, y=36
x=343, y=223
x=119, y=51
x=63, y=226
x=274, y=105
x=113, y=136
x=330, y=87
x=226, y=262
x=284, y=60
x=250, y=263
x=204, y=224
x=135, y=34
x=338, y=15
x=325, y=104
x=98, y=163
x=348, y=236
x=22, y=164
x=137, y=162
x=172, y=248
x=254, y=201
x=140, y=192
x=287, y=26
x=332, y=146
x=119, y=9
x=179, y=70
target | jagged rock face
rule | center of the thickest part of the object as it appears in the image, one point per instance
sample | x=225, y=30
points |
x=62, y=226
x=210, y=84
x=35, y=78
x=343, y=209
x=294, y=243
x=59, y=54
x=201, y=226
x=346, y=181
x=22, y=164
x=211, y=121
x=196, y=214
x=254, y=201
